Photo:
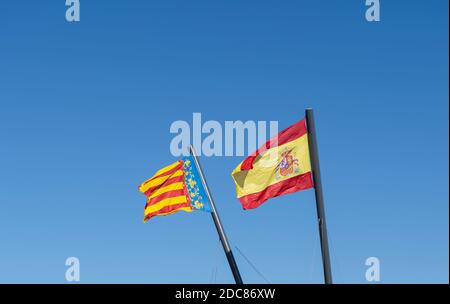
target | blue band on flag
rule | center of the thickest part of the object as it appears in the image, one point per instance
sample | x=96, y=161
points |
x=194, y=185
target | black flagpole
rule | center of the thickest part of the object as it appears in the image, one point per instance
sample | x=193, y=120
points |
x=218, y=223
x=319, y=195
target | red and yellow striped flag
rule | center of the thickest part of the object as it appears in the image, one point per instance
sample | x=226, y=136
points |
x=166, y=192
x=279, y=167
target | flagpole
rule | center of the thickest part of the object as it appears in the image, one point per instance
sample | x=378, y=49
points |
x=319, y=195
x=218, y=223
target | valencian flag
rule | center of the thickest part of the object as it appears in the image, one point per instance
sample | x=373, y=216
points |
x=281, y=166
x=174, y=188
x=182, y=186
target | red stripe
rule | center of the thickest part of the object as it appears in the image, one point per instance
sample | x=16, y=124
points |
x=291, y=133
x=166, y=210
x=171, y=180
x=293, y=184
x=165, y=195
x=178, y=167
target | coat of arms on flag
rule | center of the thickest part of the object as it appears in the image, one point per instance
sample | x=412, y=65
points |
x=281, y=166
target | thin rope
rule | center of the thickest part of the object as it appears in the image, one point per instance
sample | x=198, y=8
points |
x=214, y=270
x=215, y=274
x=253, y=266
x=211, y=279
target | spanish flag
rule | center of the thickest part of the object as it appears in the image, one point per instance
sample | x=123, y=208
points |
x=166, y=192
x=281, y=166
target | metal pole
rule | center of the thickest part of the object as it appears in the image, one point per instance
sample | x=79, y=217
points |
x=218, y=223
x=319, y=195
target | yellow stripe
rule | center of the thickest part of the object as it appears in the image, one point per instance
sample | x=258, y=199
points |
x=165, y=169
x=264, y=172
x=164, y=203
x=158, y=181
x=187, y=209
x=174, y=186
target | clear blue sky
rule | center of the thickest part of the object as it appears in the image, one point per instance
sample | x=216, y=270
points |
x=85, y=111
